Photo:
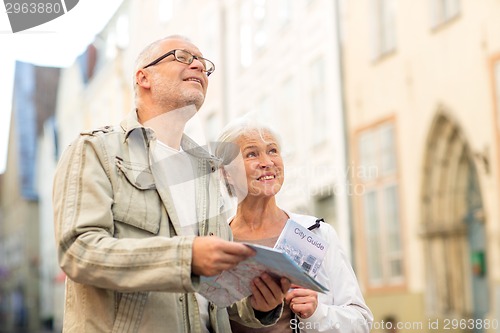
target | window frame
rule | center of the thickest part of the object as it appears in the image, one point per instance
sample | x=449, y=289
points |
x=442, y=11
x=378, y=184
x=383, y=27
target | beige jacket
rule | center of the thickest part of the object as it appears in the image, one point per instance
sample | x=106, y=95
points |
x=116, y=235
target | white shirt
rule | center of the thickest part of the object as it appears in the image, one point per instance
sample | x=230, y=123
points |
x=180, y=179
x=342, y=308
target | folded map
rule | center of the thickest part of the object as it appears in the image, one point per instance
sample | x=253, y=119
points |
x=234, y=284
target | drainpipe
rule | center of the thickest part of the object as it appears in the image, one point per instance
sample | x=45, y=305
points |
x=338, y=40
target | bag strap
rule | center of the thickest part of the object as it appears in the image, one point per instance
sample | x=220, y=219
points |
x=316, y=224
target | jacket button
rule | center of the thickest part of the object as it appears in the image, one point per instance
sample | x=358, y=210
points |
x=180, y=299
x=210, y=233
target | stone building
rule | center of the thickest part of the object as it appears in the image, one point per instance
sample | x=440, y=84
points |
x=35, y=90
x=388, y=111
x=422, y=98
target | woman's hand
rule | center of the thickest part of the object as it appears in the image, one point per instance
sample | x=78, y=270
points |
x=267, y=293
x=303, y=302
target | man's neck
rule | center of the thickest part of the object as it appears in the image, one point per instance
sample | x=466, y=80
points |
x=168, y=126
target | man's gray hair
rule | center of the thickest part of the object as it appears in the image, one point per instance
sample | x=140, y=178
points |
x=151, y=52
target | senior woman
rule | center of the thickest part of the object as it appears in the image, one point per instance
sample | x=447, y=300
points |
x=254, y=174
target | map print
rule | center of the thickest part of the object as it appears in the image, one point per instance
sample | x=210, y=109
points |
x=234, y=285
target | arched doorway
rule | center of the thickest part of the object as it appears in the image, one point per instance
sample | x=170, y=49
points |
x=453, y=228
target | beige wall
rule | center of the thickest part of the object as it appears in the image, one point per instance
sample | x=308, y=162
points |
x=431, y=71
x=19, y=237
x=314, y=170
x=214, y=26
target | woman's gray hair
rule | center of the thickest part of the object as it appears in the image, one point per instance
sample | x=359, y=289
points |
x=227, y=148
x=245, y=125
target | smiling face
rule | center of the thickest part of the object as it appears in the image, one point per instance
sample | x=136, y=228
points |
x=264, y=169
x=174, y=84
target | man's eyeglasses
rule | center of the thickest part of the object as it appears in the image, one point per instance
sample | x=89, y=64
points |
x=186, y=58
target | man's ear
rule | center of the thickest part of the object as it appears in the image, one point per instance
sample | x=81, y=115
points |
x=142, y=79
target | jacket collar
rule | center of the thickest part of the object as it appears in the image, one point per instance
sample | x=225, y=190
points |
x=131, y=124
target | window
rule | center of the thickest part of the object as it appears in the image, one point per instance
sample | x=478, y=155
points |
x=210, y=37
x=372, y=224
x=254, y=20
x=325, y=208
x=497, y=90
x=260, y=17
x=383, y=27
x=122, y=32
x=318, y=100
x=165, y=10
x=444, y=10
x=285, y=11
x=246, y=57
x=212, y=127
x=288, y=109
x=377, y=173
x=264, y=110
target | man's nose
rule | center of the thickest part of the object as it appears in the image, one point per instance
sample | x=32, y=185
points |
x=197, y=64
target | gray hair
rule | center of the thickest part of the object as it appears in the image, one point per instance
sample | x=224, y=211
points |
x=150, y=52
x=226, y=147
x=245, y=125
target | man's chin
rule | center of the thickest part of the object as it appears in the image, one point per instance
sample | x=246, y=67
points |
x=198, y=105
x=196, y=100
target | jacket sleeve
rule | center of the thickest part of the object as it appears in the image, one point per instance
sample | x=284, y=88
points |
x=88, y=252
x=243, y=313
x=342, y=308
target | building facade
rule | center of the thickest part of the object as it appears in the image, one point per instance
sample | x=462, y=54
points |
x=388, y=113
x=421, y=87
x=273, y=61
x=22, y=278
x=276, y=60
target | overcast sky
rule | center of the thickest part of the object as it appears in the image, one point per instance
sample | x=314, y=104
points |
x=56, y=43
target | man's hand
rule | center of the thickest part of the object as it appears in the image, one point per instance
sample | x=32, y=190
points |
x=212, y=255
x=267, y=293
x=302, y=301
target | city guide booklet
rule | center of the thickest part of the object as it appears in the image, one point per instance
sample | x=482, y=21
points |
x=297, y=255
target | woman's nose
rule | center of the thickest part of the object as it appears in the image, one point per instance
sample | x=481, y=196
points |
x=265, y=161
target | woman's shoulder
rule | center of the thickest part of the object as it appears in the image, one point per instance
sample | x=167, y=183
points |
x=301, y=218
x=307, y=221
x=325, y=230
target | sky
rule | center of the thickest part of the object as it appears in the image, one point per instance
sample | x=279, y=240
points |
x=56, y=43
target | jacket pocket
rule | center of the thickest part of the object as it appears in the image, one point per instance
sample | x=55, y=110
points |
x=130, y=309
x=136, y=202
